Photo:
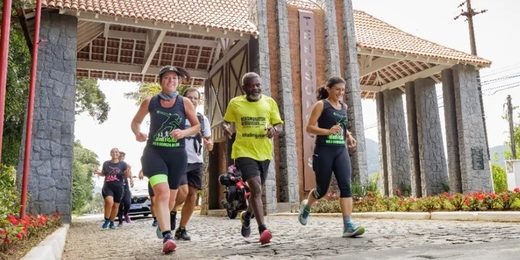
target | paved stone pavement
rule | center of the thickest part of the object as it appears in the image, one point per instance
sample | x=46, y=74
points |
x=219, y=238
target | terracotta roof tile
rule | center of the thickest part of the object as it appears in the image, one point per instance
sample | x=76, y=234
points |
x=232, y=15
x=372, y=33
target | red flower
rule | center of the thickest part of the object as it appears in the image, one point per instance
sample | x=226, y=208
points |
x=467, y=201
x=516, y=190
x=13, y=219
x=504, y=197
x=20, y=236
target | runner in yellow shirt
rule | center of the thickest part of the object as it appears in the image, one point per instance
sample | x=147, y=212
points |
x=257, y=120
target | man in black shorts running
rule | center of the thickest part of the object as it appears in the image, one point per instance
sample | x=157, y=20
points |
x=257, y=120
x=191, y=182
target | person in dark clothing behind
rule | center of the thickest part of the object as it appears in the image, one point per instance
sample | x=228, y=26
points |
x=126, y=201
x=114, y=172
x=164, y=157
x=330, y=152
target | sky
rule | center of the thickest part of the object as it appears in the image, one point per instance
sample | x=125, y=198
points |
x=430, y=20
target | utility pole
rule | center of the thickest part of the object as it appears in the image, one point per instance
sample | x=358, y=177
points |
x=469, y=13
x=511, y=126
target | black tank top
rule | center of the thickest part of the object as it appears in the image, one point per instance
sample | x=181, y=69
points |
x=328, y=118
x=163, y=121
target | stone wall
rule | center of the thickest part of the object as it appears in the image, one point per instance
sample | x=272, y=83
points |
x=288, y=184
x=332, y=67
x=260, y=64
x=475, y=172
x=452, y=135
x=413, y=141
x=381, y=132
x=353, y=93
x=396, y=142
x=432, y=160
x=50, y=173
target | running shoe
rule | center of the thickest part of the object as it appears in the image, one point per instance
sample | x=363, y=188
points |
x=120, y=224
x=155, y=223
x=105, y=225
x=169, y=245
x=246, y=225
x=303, y=215
x=181, y=233
x=159, y=233
x=112, y=225
x=265, y=237
x=352, y=231
x=127, y=219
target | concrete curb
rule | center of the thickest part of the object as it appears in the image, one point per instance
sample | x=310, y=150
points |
x=51, y=248
x=490, y=216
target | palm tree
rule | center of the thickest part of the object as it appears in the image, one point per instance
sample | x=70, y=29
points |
x=147, y=90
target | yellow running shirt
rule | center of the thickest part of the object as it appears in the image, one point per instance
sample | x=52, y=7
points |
x=251, y=120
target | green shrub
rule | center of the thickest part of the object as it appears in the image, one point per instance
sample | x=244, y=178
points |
x=9, y=195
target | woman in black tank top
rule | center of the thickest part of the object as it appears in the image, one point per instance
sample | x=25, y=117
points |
x=164, y=158
x=330, y=152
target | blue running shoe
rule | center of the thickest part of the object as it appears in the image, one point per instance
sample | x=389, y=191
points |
x=112, y=225
x=303, y=215
x=105, y=225
x=352, y=231
x=159, y=233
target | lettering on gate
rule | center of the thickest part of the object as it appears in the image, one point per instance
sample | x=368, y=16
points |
x=308, y=85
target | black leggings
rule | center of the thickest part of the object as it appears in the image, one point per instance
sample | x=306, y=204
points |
x=124, y=207
x=328, y=159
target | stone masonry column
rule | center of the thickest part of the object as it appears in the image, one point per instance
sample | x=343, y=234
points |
x=398, y=163
x=383, y=161
x=353, y=95
x=474, y=166
x=332, y=66
x=415, y=166
x=50, y=173
x=260, y=64
x=288, y=161
x=432, y=161
x=452, y=135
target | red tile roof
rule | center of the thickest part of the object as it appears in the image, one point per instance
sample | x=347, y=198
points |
x=232, y=15
x=229, y=15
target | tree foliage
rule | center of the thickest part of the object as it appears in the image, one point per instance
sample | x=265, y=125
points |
x=147, y=90
x=499, y=175
x=91, y=99
x=85, y=161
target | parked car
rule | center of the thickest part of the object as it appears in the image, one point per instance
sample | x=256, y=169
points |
x=141, y=204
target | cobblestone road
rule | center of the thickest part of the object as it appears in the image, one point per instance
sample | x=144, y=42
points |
x=219, y=238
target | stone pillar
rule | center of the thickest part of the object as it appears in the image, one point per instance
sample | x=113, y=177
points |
x=434, y=175
x=332, y=66
x=474, y=166
x=259, y=63
x=288, y=161
x=204, y=205
x=353, y=95
x=452, y=135
x=396, y=142
x=50, y=173
x=383, y=162
x=413, y=139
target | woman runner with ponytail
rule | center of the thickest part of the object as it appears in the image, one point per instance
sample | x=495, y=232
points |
x=330, y=152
